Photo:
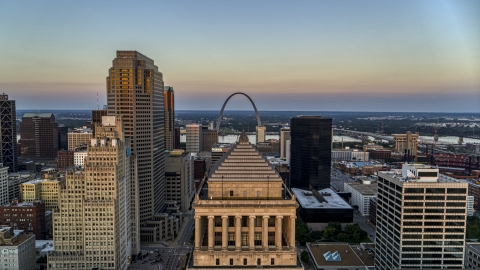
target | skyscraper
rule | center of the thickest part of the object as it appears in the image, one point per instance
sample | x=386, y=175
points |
x=260, y=133
x=194, y=138
x=39, y=135
x=420, y=220
x=92, y=227
x=135, y=91
x=8, y=133
x=310, y=149
x=284, y=142
x=169, y=107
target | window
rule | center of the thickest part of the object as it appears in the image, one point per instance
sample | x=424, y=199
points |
x=231, y=261
x=245, y=261
x=231, y=193
x=217, y=261
x=272, y=261
x=258, y=239
x=259, y=261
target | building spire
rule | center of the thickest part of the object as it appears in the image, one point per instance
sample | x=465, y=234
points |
x=243, y=137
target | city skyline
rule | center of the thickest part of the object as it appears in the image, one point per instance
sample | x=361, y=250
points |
x=318, y=56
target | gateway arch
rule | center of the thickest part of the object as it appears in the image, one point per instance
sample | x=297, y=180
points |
x=219, y=120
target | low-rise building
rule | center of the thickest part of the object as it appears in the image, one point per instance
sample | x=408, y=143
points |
x=361, y=195
x=18, y=250
x=14, y=182
x=339, y=256
x=318, y=208
x=79, y=157
x=46, y=190
x=64, y=159
x=472, y=255
x=26, y=216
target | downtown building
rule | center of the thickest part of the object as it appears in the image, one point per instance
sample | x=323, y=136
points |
x=92, y=226
x=310, y=148
x=39, y=136
x=169, y=107
x=421, y=221
x=8, y=133
x=244, y=215
x=135, y=90
x=194, y=138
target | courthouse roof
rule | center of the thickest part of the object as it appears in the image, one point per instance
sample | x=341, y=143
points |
x=243, y=163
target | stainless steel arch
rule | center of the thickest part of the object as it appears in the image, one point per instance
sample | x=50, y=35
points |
x=259, y=123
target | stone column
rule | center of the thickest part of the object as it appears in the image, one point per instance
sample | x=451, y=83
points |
x=291, y=235
x=197, y=232
x=251, y=233
x=238, y=234
x=278, y=232
x=211, y=234
x=224, y=232
x=265, y=232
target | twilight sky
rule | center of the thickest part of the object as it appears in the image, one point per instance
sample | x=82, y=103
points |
x=287, y=55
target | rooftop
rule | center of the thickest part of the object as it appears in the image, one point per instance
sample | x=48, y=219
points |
x=42, y=115
x=331, y=199
x=366, y=190
x=347, y=255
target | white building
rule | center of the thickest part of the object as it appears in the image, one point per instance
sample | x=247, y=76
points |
x=349, y=154
x=361, y=195
x=194, y=138
x=17, y=250
x=260, y=133
x=4, y=198
x=421, y=222
x=79, y=157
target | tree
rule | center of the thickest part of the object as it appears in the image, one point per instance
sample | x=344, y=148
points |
x=350, y=229
x=329, y=233
x=304, y=257
x=342, y=237
x=335, y=224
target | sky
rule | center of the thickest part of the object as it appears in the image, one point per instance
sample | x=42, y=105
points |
x=421, y=56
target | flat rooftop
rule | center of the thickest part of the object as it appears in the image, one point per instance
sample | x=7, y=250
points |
x=309, y=201
x=365, y=189
x=348, y=257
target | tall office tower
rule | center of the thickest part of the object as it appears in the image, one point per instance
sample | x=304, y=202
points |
x=179, y=177
x=284, y=141
x=92, y=227
x=310, y=152
x=97, y=118
x=8, y=133
x=169, y=107
x=176, y=138
x=194, y=138
x=246, y=219
x=62, y=132
x=39, y=135
x=209, y=139
x=420, y=220
x=260, y=133
x=135, y=90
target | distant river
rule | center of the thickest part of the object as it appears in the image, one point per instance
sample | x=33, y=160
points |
x=447, y=140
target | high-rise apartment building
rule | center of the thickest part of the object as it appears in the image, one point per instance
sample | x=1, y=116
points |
x=194, y=138
x=246, y=218
x=39, y=136
x=169, y=107
x=135, y=90
x=261, y=132
x=92, y=227
x=284, y=142
x=310, y=152
x=421, y=221
x=8, y=133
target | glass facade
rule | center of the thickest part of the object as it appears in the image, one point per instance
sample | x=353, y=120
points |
x=311, y=146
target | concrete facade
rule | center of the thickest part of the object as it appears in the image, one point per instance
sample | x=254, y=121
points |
x=194, y=138
x=244, y=220
x=18, y=251
x=179, y=177
x=361, y=195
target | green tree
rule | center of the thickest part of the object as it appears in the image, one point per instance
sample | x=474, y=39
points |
x=342, y=237
x=336, y=225
x=304, y=257
x=350, y=229
x=356, y=237
x=329, y=233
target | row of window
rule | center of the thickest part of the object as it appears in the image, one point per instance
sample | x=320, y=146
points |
x=245, y=261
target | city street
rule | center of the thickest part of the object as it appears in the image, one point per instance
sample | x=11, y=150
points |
x=171, y=257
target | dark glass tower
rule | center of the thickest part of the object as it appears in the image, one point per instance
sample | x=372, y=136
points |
x=8, y=133
x=310, y=149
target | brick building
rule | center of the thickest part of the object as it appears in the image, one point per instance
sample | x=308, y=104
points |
x=65, y=159
x=27, y=216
